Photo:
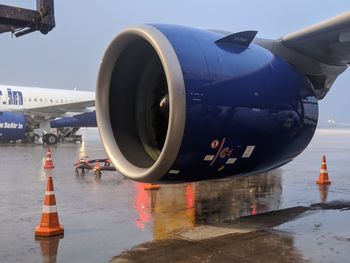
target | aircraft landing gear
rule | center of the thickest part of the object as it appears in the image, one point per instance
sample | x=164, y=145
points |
x=50, y=139
x=36, y=137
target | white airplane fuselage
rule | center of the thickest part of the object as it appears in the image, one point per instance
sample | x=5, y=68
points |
x=24, y=109
x=17, y=97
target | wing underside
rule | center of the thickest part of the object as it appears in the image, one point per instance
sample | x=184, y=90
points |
x=60, y=109
x=327, y=42
x=321, y=51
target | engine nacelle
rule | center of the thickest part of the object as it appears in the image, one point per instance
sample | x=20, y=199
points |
x=86, y=119
x=12, y=126
x=173, y=105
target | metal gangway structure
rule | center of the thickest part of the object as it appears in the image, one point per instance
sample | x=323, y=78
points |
x=21, y=21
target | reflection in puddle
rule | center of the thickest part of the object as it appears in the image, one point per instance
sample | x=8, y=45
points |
x=49, y=247
x=175, y=208
x=324, y=188
x=82, y=150
x=142, y=207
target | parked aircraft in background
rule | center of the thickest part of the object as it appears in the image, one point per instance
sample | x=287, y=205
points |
x=175, y=103
x=333, y=123
x=24, y=109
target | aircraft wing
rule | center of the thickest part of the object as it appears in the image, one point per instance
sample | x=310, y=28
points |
x=321, y=51
x=57, y=110
x=327, y=42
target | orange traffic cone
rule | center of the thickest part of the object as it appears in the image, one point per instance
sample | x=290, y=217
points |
x=323, y=173
x=97, y=168
x=48, y=164
x=49, y=225
x=151, y=186
x=108, y=162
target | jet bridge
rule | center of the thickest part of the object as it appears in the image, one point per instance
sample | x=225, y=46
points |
x=21, y=21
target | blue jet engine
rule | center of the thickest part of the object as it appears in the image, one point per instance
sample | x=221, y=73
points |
x=12, y=126
x=86, y=119
x=180, y=104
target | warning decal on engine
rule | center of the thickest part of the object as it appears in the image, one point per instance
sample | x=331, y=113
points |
x=208, y=157
x=231, y=160
x=248, y=151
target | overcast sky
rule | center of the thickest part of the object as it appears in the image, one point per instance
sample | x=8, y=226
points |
x=69, y=56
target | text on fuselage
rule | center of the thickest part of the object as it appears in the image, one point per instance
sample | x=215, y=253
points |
x=14, y=97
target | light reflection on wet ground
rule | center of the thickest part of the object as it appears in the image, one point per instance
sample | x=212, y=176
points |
x=104, y=217
x=182, y=207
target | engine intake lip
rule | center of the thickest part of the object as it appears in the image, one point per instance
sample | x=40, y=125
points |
x=177, y=103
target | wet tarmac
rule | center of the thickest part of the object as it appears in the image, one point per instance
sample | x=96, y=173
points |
x=113, y=219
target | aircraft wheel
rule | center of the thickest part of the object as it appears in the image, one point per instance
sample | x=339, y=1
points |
x=50, y=139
